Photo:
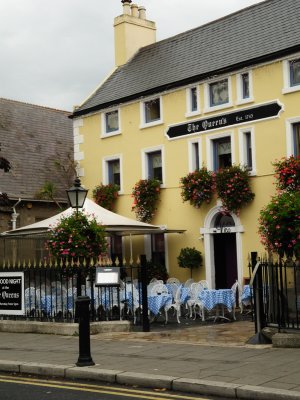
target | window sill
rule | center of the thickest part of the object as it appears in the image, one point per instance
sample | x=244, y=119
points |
x=217, y=108
x=150, y=124
x=244, y=101
x=291, y=89
x=107, y=135
x=192, y=113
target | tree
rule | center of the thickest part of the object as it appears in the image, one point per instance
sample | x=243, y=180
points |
x=189, y=257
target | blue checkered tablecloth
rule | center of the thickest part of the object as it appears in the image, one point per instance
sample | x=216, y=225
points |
x=155, y=303
x=212, y=297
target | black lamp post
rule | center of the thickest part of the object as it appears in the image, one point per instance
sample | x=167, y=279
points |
x=77, y=195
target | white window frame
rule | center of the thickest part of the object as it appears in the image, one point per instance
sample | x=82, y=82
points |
x=290, y=146
x=243, y=148
x=105, y=169
x=287, y=88
x=191, y=153
x=104, y=133
x=189, y=112
x=208, y=107
x=145, y=124
x=210, y=147
x=144, y=154
x=239, y=88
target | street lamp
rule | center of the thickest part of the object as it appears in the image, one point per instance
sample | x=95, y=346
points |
x=77, y=195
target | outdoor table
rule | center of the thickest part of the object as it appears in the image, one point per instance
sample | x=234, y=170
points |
x=213, y=297
x=155, y=303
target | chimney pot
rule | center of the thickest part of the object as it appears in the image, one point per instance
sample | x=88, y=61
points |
x=126, y=7
x=142, y=12
x=134, y=10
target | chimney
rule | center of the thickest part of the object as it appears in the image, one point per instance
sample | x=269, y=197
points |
x=132, y=31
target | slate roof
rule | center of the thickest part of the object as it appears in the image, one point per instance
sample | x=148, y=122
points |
x=256, y=33
x=31, y=139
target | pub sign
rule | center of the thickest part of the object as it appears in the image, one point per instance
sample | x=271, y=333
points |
x=12, y=293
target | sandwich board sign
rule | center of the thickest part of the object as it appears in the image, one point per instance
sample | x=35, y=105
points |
x=12, y=293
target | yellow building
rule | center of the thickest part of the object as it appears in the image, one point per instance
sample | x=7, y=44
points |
x=225, y=93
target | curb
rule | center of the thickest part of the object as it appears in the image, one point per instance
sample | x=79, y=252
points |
x=198, y=386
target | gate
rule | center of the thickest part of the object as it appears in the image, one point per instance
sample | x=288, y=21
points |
x=277, y=290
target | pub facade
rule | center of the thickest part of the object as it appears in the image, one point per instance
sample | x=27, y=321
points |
x=225, y=93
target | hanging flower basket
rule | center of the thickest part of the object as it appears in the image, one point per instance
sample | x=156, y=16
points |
x=287, y=173
x=106, y=195
x=279, y=224
x=146, y=195
x=198, y=187
x=77, y=236
x=233, y=188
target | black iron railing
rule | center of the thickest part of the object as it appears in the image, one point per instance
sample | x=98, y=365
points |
x=51, y=290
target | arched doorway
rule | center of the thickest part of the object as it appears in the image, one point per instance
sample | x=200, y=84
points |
x=225, y=252
x=222, y=235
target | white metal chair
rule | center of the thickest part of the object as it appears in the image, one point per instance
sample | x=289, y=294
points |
x=237, y=295
x=173, y=280
x=188, y=282
x=195, y=301
x=204, y=283
x=176, y=304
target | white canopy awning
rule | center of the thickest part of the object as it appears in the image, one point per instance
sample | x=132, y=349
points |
x=114, y=223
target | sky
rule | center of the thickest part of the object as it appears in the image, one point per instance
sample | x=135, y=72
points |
x=55, y=53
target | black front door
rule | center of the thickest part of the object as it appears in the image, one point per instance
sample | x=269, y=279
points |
x=225, y=260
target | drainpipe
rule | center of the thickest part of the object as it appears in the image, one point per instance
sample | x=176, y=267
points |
x=15, y=215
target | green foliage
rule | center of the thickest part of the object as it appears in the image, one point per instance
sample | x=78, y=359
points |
x=106, y=195
x=197, y=187
x=157, y=271
x=77, y=235
x=233, y=188
x=146, y=195
x=189, y=257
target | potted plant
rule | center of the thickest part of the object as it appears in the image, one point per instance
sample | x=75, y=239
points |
x=233, y=188
x=146, y=195
x=189, y=257
x=198, y=187
x=106, y=195
x=77, y=236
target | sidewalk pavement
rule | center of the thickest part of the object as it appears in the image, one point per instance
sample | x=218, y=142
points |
x=209, y=360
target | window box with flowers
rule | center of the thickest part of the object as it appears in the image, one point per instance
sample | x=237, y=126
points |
x=146, y=196
x=233, y=188
x=198, y=187
x=106, y=195
x=78, y=236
